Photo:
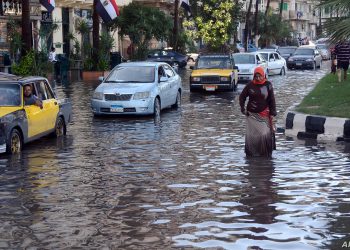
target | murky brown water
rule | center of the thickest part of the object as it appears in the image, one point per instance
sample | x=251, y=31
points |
x=127, y=183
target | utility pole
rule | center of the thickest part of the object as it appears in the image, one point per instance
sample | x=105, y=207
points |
x=26, y=28
x=176, y=25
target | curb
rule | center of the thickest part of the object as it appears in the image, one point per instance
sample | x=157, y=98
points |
x=322, y=128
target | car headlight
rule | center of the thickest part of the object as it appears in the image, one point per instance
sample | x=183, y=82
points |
x=290, y=59
x=224, y=79
x=97, y=95
x=309, y=60
x=141, y=95
x=196, y=79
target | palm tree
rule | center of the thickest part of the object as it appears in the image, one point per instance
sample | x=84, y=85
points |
x=83, y=29
x=337, y=28
x=26, y=29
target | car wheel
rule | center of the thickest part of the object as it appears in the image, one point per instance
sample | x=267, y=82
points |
x=177, y=103
x=283, y=71
x=60, y=128
x=14, y=143
x=156, y=108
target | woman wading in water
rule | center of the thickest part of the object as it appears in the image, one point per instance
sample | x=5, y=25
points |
x=260, y=134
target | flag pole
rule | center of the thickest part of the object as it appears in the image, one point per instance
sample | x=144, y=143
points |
x=95, y=33
x=176, y=24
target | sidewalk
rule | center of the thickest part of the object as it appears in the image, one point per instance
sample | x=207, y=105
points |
x=322, y=128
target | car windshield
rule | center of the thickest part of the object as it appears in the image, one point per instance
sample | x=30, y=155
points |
x=214, y=63
x=10, y=95
x=244, y=59
x=304, y=52
x=132, y=74
x=286, y=51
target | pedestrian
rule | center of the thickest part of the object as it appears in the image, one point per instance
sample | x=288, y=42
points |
x=52, y=55
x=260, y=110
x=342, y=52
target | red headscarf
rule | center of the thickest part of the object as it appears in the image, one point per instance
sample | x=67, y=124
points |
x=261, y=71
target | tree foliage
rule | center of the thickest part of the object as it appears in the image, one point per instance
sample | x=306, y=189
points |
x=141, y=24
x=213, y=23
x=337, y=28
x=276, y=30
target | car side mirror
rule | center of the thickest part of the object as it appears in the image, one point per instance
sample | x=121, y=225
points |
x=258, y=62
x=163, y=79
x=101, y=78
x=191, y=67
x=271, y=60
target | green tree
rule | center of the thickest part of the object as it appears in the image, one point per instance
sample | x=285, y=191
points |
x=276, y=30
x=212, y=23
x=141, y=24
x=337, y=28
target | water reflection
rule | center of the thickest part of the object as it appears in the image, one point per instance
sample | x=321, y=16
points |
x=260, y=193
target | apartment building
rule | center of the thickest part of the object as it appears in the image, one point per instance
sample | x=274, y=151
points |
x=300, y=13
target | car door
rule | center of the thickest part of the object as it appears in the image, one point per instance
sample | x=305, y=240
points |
x=173, y=85
x=279, y=62
x=164, y=87
x=50, y=105
x=35, y=116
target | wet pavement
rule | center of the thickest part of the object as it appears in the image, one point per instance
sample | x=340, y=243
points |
x=131, y=183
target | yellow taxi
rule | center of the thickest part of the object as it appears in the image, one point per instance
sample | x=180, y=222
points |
x=214, y=72
x=22, y=121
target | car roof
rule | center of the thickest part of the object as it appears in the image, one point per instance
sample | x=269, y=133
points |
x=216, y=55
x=141, y=63
x=7, y=78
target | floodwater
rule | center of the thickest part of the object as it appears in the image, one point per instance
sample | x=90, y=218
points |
x=131, y=183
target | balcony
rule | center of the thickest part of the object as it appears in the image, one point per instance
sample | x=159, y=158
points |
x=11, y=8
x=82, y=4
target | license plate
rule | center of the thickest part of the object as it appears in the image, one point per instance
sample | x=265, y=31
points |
x=117, y=108
x=210, y=88
x=298, y=64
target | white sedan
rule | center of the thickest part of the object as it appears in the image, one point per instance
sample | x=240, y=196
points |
x=275, y=63
x=247, y=63
x=138, y=88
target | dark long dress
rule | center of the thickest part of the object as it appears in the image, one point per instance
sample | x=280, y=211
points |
x=259, y=138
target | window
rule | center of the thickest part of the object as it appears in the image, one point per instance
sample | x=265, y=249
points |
x=161, y=72
x=41, y=90
x=50, y=94
x=271, y=57
x=277, y=57
x=168, y=71
x=285, y=6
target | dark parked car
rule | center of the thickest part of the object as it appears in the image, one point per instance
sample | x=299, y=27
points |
x=173, y=58
x=286, y=52
x=305, y=57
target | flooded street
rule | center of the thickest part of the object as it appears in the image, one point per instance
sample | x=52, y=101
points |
x=128, y=183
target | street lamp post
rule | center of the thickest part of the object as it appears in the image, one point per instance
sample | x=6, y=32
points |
x=26, y=28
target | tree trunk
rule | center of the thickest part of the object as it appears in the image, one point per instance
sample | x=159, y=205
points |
x=95, y=34
x=265, y=23
x=256, y=28
x=176, y=25
x=26, y=28
x=281, y=9
x=247, y=26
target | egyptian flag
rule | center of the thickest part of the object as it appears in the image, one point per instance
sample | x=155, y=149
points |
x=186, y=5
x=48, y=4
x=107, y=9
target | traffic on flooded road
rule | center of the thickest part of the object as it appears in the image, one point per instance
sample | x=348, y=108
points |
x=180, y=181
